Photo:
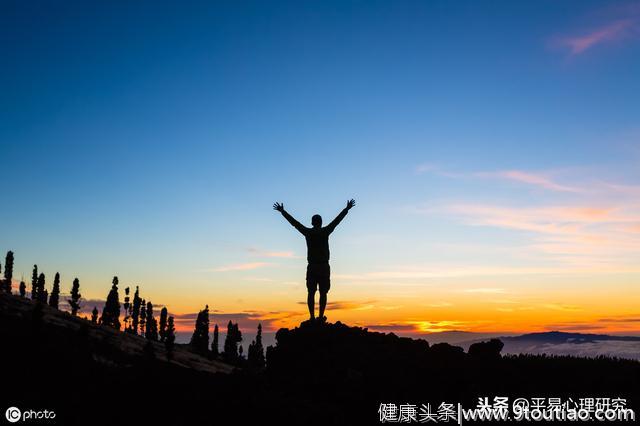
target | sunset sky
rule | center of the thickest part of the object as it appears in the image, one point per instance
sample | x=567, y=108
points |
x=493, y=150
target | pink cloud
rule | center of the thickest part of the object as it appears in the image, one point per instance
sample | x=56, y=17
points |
x=529, y=178
x=613, y=31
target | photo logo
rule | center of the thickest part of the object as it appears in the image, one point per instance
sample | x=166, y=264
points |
x=13, y=414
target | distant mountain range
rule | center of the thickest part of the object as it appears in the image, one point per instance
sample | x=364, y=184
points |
x=561, y=343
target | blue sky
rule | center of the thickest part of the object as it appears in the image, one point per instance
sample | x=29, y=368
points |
x=149, y=141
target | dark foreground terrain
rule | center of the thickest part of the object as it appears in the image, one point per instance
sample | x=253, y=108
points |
x=323, y=374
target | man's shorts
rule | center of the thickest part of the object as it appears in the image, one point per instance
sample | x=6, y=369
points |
x=318, y=277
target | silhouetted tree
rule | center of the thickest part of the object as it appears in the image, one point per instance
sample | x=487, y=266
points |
x=54, y=299
x=143, y=317
x=170, y=338
x=8, y=272
x=34, y=283
x=74, y=302
x=40, y=290
x=94, y=315
x=135, y=311
x=200, y=338
x=255, y=355
x=214, y=345
x=126, y=305
x=23, y=289
x=151, y=332
x=231, y=341
x=111, y=310
x=163, y=324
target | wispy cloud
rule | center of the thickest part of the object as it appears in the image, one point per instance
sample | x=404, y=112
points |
x=419, y=326
x=597, y=228
x=348, y=305
x=247, y=320
x=267, y=253
x=529, y=178
x=447, y=271
x=609, y=32
x=484, y=290
x=435, y=169
x=541, y=180
x=440, y=305
x=573, y=234
x=562, y=307
x=240, y=267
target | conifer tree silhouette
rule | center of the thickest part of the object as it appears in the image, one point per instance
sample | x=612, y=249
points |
x=111, y=310
x=126, y=306
x=200, y=337
x=170, y=338
x=54, y=299
x=40, y=290
x=151, y=332
x=240, y=350
x=255, y=355
x=143, y=317
x=94, y=315
x=34, y=283
x=74, y=302
x=215, y=352
x=23, y=289
x=8, y=272
x=135, y=313
x=231, y=341
x=163, y=324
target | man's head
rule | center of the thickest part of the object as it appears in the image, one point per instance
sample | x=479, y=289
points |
x=316, y=221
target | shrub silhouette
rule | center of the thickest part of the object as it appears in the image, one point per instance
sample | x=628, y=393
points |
x=486, y=350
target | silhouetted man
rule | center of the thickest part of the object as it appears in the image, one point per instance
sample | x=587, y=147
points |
x=318, y=272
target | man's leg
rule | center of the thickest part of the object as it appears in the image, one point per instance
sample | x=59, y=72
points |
x=323, y=303
x=311, y=292
x=324, y=285
x=311, y=295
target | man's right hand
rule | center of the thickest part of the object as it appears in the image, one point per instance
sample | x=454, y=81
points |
x=278, y=206
x=351, y=203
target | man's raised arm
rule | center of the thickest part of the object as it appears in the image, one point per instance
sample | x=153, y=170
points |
x=330, y=227
x=280, y=207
